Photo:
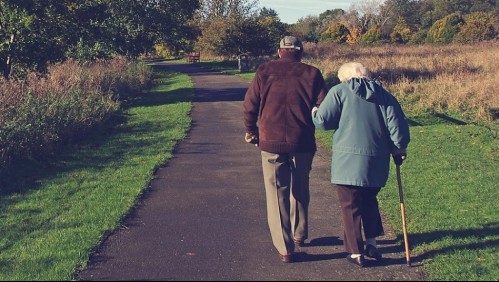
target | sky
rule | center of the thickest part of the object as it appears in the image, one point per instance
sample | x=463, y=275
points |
x=289, y=11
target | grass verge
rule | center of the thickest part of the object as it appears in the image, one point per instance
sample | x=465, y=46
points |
x=58, y=210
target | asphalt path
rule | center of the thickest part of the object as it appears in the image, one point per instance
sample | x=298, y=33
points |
x=204, y=216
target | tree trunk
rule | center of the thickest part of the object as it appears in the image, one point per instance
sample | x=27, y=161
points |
x=8, y=62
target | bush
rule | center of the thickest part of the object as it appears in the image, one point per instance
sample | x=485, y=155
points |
x=61, y=106
x=478, y=27
x=337, y=33
x=163, y=51
x=372, y=36
x=418, y=37
x=444, y=30
x=401, y=32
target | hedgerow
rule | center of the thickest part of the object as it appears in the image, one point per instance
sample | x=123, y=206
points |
x=42, y=112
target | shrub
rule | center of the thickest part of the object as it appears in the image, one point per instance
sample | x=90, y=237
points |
x=401, y=32
x=418, y=37
x=444, y=30
x=478, y=27
x=163, y=51
x=84, y=51
x=372, y=36
x=336, y=32
x=354, y=35
x=61, y=106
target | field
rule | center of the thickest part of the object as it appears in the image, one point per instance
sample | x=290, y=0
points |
x=455, y=80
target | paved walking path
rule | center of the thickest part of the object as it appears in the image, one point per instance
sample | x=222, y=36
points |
x=204, y=216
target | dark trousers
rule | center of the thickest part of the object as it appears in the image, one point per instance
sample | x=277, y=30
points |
x=359, y=207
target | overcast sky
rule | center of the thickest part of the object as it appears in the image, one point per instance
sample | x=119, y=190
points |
x=290, y=11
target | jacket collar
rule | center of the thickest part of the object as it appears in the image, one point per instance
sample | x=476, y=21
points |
x=289, y=60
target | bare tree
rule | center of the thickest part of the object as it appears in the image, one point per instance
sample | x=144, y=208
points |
x=370, y=12
x=227, y=9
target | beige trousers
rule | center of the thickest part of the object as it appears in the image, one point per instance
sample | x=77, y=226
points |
x=286, y=178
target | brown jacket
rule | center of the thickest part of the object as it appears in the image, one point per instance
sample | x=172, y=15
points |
x=278, y=105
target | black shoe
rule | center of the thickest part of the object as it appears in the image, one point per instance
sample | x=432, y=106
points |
x=358, y=260
x=373, y=252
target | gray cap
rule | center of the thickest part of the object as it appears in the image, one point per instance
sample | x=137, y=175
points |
x=291, y=42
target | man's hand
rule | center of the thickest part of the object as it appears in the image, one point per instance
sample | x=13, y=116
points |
x=399, y=156
x=251, y=138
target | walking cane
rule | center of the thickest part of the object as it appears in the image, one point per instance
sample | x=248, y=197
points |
x=398, y=161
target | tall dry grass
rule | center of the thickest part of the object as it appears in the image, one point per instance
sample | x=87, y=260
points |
x=43, y=111
x=458, y=79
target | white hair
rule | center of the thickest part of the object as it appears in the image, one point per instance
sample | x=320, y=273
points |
x=352, y=70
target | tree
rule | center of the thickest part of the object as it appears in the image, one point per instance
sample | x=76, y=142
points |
x=354, y=36
x=176, y=28
x=401, y=32
x=443, y=8
x=216, y=9
x=135, y=26
x=351, y=20
x=15, y=23
x=477, y=27
x=372, y=36
x=484, y=6
x=272, y=30
x=257, y=36
x=48, y=31
x=327, y=18
x=85, y=31
x=419, y=37
x=306, y=28
x=337, y=33
x=407, y=10
x=370, y=13
x=444, y=30
x=214, y=38
x=331, y=15
x=40, y=36
x=427, y=15
x=230, y=27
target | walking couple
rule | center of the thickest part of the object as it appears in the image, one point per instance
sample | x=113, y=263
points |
x=286, y=101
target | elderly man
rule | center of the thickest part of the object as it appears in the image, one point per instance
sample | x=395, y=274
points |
x=277, y=118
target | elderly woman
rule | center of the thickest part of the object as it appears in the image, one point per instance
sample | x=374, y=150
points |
x=369, y=126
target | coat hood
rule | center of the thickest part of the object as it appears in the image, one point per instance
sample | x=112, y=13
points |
x=365, y=88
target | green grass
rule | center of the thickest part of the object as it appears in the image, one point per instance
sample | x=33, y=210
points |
x=60, y=209
x=451, y=198
x=450, y=192
x=228, y=67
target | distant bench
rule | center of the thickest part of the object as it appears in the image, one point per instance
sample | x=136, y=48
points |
x=193, y=57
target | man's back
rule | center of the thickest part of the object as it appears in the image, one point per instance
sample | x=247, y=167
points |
x=282, y=94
